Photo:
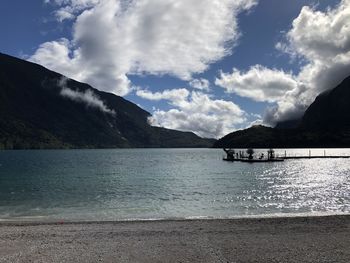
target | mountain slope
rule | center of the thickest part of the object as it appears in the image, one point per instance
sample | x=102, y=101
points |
x=326, y=123
x=41, y=109
x=330, y=110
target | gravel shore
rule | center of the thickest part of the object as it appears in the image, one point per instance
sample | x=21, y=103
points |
x=298, y=239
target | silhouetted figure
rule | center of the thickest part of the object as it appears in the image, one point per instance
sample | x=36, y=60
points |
x=271, y=154
x=250, y=153
x=230, y=154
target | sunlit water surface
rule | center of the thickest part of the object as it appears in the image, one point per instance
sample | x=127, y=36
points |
x=167, y=183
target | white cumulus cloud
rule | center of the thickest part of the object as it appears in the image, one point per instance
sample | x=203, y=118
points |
x=173, y=95
x=321, y=40
x=258, y=83
x=69, y=9
x=115, y=38
x=195, y=111
x=200, y=84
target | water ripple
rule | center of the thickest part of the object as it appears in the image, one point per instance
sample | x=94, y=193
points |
x=166, y=183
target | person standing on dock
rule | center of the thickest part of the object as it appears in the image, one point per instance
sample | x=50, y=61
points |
x=270, y=154
x=250, y=153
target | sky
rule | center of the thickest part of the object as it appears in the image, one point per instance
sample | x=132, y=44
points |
x=206, y=66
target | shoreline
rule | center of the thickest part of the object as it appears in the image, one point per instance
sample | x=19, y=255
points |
x=274, y=239
x=52, y=221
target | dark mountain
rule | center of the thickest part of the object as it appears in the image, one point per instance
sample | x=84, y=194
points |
x=266, y=137
x=289, y=124
x=330, y=111
x=41, y=109
x=326, y=123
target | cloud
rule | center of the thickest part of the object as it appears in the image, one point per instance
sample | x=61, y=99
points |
x=116, y=38
x=64, y=14
x=329, y=36
x=200, y=84
x=195, y=111
x=320, y=41
x=88, y=97
x=69, y=9
x=258, y=83
x=174, y=95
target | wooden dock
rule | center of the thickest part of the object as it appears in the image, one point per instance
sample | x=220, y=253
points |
x=246, y=160
x=281, y=159
x=316, y=157
x=232, y=156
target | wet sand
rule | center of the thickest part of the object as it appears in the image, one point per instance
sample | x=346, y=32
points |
x=299, y=239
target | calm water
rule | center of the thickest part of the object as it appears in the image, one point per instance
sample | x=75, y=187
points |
x=166, y=183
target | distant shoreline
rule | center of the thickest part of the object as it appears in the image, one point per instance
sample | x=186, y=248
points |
x=160, y=148
x=87, y=148
x=281, y=239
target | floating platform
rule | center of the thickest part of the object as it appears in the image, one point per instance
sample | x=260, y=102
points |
x=232, y=156
x=246, y=160
x=262, y=160
x=281, y=159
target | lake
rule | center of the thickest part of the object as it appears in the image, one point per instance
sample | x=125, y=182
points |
x=132, y=184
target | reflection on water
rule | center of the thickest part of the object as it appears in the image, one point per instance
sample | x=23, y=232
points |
x=167, y=183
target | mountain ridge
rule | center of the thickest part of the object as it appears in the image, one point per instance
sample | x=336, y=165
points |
x=40, y=108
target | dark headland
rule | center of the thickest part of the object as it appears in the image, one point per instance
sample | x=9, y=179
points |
x=41, y=109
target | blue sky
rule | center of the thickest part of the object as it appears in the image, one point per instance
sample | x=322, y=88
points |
x=262, y=40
